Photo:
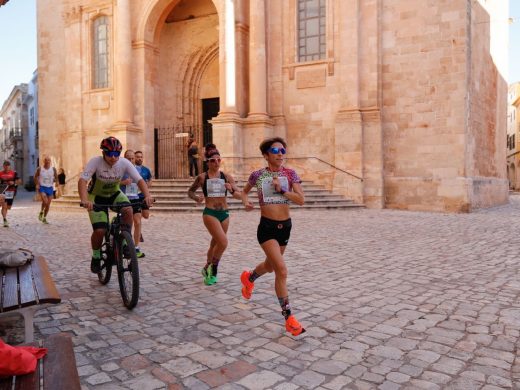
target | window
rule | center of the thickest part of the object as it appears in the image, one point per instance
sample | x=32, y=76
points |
x=311, y=30
x=100, y=60
x=31, y=116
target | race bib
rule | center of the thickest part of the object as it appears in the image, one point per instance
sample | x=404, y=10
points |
x=216, y=188
x=269, y=193
x=132, y=189
x=47, y=181
x=9, y=194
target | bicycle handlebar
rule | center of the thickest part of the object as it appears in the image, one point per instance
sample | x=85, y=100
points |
x=114, y=206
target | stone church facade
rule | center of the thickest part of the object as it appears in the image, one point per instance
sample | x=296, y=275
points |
x=397, y=104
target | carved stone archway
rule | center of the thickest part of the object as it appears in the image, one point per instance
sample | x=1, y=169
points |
x=193, y=68
x=154, y=16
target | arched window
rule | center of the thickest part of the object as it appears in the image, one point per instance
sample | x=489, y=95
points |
x=100, y=53
x=311, y=30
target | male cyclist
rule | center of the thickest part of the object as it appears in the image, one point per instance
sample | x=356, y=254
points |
x=106, y=172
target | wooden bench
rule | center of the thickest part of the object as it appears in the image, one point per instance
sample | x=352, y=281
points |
x=24, y=289
x=56, y=371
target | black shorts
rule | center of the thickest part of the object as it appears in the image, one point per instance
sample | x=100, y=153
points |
x=269, y=229
x=136, y=205
x=9, y=202
x=144, y=206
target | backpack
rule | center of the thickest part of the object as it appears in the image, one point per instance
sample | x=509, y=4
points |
x=15, y=257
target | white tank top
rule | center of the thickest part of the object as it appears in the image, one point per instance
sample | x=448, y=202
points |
x=46, y=178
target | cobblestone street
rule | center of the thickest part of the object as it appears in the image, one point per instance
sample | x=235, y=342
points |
x=390, y=300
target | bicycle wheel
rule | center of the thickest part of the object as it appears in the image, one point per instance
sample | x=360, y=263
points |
x=127, y=270
x=106, y=263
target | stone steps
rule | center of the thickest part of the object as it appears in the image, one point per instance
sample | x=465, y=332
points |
x=171, y=196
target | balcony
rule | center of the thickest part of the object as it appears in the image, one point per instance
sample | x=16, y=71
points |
x=15, y=134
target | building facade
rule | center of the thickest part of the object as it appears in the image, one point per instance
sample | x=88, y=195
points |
x=14, y=132
x=513, y=134
x=393, y=103
x=32, y=141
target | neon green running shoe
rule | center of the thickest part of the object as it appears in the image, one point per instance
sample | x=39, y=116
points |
x=40, y=216
x=208, y=277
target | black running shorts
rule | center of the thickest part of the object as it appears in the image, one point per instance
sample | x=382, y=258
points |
x=269, y=229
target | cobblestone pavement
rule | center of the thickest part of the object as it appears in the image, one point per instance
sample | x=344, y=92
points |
x=390, y=300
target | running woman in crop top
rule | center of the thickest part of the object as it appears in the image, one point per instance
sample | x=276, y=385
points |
x=215, y=186
x=276, y=186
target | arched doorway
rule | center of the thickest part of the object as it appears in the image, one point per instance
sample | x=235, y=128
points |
x=187, y=78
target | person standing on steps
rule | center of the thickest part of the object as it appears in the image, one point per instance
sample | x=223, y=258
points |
x=61, y=182
x=276, y=186
x=193, y=158
x=44, y=179
x=215, y=186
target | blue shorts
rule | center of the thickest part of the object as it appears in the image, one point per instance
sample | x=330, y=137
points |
x=49, y=191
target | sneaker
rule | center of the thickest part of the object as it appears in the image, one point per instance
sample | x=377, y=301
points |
x=293, y=326
x=209, y=279
x=44, y=220
x=95, y=265
x=247, y=286
x=6, y=224
x=40, y=216
x=139, y=253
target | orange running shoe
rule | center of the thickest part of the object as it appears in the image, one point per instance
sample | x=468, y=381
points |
x=293, y=326
x=248, y=286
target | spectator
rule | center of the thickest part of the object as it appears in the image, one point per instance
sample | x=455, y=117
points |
x=61, y=182
x=193, y=157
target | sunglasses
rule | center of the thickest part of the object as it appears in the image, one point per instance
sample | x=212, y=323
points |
x=274, y=150
x=214, y=160
x=113, y=153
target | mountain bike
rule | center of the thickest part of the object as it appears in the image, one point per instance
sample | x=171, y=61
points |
x=118, y=249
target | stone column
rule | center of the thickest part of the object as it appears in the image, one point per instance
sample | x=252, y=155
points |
x=123, y=72
x=258, y=125
x=227, y=60
x=257, y=61
x=227, y=126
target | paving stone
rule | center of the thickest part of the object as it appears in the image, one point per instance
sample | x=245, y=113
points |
x=260, y=380
x=392, y=306
x=144, y=382
x=387, y=385
x=212, y=359
x=309, y=379
x=98, y=379
x=427, y=356
x=183, y=367
x=386, y=352
x=337, y=383
x=435, y=377
x=329, y=367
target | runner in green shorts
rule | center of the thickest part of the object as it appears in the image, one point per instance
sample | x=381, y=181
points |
x=215, y=186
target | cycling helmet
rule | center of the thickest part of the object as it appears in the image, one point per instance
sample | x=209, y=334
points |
x=111, y=144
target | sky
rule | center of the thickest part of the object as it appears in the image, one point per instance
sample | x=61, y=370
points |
x=18, y=44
